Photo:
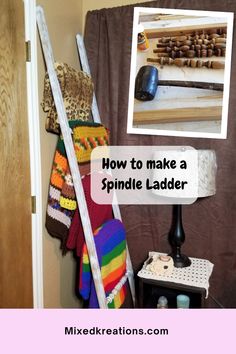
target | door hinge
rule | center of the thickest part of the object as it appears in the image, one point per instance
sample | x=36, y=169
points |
x=33, y=204
x=28, y=50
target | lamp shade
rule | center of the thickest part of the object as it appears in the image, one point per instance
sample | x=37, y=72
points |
x=206, y=173
x=200, y=175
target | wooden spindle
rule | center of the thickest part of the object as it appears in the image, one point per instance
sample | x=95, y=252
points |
x=215, y=35
x=192, y=63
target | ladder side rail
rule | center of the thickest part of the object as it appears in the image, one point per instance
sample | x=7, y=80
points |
x=97, y=119
x=66, y=132
x=86, y=69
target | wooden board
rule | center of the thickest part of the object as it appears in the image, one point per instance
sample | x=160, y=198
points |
x=158, y=17
x=182, y=25
x=188, y=30
x=178, y=115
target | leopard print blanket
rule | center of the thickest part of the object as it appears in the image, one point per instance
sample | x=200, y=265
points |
x=77, y=92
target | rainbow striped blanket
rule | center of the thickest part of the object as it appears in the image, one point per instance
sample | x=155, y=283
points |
x=110, y=244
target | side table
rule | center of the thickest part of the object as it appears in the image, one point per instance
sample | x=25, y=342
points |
x=192, y=281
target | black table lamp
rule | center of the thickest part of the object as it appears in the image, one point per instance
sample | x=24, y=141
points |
x=206, y=187
x=176, y=238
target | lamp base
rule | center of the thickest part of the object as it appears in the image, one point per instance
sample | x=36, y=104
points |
x=180, y=260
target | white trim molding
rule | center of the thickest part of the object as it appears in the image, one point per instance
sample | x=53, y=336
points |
x=35, y=152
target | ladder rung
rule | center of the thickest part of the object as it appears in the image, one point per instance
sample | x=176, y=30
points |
x=96, y=117
x=117, y=288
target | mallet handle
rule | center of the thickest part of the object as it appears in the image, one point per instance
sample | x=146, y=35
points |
x=192, y=84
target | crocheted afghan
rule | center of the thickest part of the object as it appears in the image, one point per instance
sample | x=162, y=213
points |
x=110, y=244
x=98, y=215
x=61, y=200
x=86, y=138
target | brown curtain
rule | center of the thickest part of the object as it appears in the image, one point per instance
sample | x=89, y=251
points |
x=210, y=223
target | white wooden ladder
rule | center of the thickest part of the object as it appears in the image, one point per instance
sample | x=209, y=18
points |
x=66, y=133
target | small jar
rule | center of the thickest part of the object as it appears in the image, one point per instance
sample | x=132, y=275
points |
x=183, y=301
x=162, y=303
x=143, y=43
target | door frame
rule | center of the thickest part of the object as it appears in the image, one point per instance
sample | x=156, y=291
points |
x=35, y=152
